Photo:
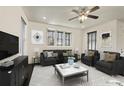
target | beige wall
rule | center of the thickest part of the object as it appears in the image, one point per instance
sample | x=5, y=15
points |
x=120, y=37
x=110, y=27
x=10, y=22
x=76, y=38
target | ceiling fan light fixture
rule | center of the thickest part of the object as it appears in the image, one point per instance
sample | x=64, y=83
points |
x=44, y=18
x=83, y=18
x=87, y=12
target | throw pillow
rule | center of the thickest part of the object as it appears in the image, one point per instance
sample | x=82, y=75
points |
x=45, y=54
x=55, y=54
x=106, y=56
x=69, y=53
x=109, y=57
x=90, y=53
x=112, y=57
x=65, y=54
x=50, y=54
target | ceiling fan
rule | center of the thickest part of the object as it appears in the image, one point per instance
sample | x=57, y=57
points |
x=83, y=13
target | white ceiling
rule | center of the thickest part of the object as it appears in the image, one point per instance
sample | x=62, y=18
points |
x=59, y=15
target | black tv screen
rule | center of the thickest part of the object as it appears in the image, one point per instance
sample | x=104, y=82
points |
x=9, y=45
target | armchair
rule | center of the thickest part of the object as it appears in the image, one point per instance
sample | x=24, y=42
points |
x=90, y=59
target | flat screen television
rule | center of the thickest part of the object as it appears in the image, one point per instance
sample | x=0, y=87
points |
x=9, y=45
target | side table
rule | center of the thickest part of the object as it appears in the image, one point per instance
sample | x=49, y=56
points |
x=36, y=60
x=77, y=57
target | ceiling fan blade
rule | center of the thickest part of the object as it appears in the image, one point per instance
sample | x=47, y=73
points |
x=94, y=8
x=93, y=16
x=73, y=18
x=76, y=11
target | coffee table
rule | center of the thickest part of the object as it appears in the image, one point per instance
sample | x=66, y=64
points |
x=66, y=71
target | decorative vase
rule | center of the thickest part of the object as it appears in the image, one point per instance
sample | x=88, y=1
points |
x=71, y=60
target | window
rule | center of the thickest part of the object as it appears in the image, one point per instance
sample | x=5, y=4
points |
x=92, y=40
x=59, y=38
x=67, y=39
x=51, y=38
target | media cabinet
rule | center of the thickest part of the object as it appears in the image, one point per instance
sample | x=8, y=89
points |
x=16, y=74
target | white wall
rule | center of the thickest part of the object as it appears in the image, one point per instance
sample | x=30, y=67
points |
x=10, y=22
x=110, y=27
x=76, y=38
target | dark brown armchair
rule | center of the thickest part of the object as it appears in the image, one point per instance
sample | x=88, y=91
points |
x=91, y=58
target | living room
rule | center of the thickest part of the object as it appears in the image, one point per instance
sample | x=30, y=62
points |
x=47, y=31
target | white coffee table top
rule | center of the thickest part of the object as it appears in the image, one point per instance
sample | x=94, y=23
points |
x=70, y=69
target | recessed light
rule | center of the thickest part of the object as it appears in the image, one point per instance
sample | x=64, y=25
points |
x=44, y=18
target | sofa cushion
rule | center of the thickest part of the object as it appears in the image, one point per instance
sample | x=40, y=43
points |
x=88, y=58
x=50, y=59
x=105, y=64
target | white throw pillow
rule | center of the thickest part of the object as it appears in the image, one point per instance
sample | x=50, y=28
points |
x=50, y=54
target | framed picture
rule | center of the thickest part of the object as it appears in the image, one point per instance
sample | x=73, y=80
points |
x=37, y=37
